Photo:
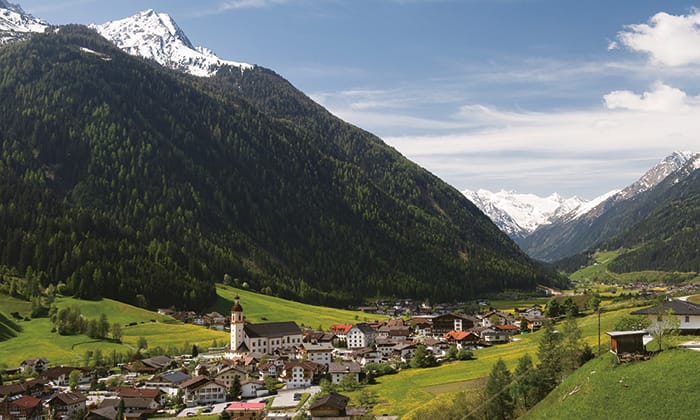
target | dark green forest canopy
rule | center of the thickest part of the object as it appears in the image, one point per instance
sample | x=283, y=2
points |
x=122, y=179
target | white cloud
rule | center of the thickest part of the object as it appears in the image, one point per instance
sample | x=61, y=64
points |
x=662, y=98
x=668, y=39
x=585, y=152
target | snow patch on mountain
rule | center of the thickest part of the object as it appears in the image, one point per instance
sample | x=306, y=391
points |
x=586, y=207
x=156, y=36
x=520, y=214
x=16, y=24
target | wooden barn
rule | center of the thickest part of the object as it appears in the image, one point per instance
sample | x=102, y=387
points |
x=626, y=341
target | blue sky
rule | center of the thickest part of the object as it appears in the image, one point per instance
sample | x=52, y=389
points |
x=577, y=97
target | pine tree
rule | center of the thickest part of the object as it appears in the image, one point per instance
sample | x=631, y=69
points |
x=234, y=391
x=499, y=403
x=549, y=355
x=524, y=384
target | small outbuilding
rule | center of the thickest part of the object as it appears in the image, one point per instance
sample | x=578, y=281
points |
x=331, y=405
x=626, y=341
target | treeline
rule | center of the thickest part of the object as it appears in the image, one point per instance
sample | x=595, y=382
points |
x=121, y=179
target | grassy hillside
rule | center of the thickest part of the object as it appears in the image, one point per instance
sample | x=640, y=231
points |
x=665, y=387
x=21, y=340
x=36, y=339
x=262, y=308
x=410, y=389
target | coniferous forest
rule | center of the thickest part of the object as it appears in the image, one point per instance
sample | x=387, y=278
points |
x=119, y=178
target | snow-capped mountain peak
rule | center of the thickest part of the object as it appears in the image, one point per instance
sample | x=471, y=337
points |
x=658, y=173
x=16, y=24
x=520, y=214
x=156, y=36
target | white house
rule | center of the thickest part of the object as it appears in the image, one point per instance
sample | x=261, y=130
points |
x=203, y=390
x=688, y=314
x=492, y=335
x=226, y=376
x=487, y=320
x=338, y=371
x=361, y=335
x=300, y=374
x=321, y=353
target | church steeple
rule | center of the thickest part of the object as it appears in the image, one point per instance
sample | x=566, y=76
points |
x=237, y=325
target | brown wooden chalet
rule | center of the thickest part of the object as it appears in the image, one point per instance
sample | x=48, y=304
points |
x=36, y=388
x=20, y=407
x=67, y=405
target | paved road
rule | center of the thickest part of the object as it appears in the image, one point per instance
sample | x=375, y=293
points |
x=217, y=409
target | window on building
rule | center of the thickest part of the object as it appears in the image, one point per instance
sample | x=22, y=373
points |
x=687, y=318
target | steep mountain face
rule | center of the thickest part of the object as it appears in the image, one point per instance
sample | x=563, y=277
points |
x=118, y=177
x=614, y=215
x=16, y=24
x=157, y=37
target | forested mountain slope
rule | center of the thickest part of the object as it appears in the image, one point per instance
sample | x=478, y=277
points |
x=669, y=238
x=123, y=179
x=658, y=230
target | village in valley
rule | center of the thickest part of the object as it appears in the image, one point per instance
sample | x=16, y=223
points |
x=280, y=370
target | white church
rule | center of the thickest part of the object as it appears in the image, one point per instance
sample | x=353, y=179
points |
x=247, y=338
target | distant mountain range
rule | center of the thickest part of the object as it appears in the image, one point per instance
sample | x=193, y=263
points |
x=128, y=177
x=519, y=215
x=553, y=228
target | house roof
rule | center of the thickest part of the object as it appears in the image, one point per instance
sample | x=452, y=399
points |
x=340, y=328
x=507, y=327
x=625, y=333
x=22, y=388
x=108, y=412
x=679, y=307
x=253, y=406
x=68, y=398
x=199, y=382
x=461, y=335
x=364, y=328
x=157, y=362
x=272, y=329
x=318, y=347
x=334, y=400
x=399, y=332
x=138, y=392
x=27, y=402
x=175, y=376
x=347, y=367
